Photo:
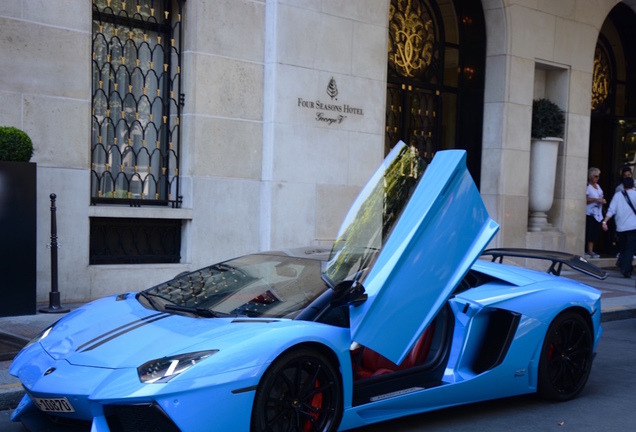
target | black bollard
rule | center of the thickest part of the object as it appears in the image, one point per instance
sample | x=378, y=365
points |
x=54, y=295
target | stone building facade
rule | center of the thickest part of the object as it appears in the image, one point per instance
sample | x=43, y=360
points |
x=280, y=114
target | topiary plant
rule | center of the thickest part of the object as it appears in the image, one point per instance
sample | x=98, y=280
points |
x=548, y=120
x=15, y=145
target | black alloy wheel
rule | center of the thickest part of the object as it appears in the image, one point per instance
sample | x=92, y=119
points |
x=566, y=357
x=300, y=392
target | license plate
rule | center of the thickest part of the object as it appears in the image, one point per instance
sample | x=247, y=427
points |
x=59, y=405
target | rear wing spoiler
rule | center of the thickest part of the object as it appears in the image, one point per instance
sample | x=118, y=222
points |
x=575, y=262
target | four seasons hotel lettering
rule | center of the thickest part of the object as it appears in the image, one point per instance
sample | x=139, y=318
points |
x=330, y=112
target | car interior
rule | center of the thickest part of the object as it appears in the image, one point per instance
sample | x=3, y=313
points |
x=376, y=377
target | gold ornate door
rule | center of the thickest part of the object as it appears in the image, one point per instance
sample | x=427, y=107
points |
x=435, y=82
x=415, y=78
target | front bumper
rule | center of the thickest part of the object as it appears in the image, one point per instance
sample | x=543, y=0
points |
x=115, y=400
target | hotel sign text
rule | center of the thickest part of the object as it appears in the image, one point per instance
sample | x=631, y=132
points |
x=332, y=112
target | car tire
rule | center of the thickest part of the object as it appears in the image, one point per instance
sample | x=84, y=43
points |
x=301, y=391
x=566, y=357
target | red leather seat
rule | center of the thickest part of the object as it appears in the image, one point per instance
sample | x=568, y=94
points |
x=373, y=364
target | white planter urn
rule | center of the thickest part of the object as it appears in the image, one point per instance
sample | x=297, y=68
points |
x=543, y=164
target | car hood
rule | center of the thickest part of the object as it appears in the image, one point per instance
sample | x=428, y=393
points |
x=116, y=334
x=421, y=237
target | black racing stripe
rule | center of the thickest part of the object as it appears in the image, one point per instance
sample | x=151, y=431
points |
x=129, y=329
x=118, y=331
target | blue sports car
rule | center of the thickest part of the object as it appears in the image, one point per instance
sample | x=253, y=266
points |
x=398, y=317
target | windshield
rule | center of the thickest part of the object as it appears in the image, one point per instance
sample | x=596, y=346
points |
x=259, y=285
x=373, y=214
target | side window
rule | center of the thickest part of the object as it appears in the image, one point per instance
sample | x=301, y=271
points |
x=136, y=102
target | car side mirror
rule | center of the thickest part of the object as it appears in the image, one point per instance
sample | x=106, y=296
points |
x=349, y=292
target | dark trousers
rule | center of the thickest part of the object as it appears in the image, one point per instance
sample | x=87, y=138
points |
x=627, y=241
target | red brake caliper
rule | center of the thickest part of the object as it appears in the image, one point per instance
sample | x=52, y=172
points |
x=316, y=402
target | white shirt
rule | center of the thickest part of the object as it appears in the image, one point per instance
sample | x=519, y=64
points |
x=595, y=208
x=625, y=217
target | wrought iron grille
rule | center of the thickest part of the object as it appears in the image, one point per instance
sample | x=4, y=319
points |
x=136, y=102
x=418, y=125
x=134, y=241
x=415, y=76
x=603, y=78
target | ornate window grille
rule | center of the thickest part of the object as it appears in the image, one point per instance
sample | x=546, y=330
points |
x=136, y=102
x=603, y=81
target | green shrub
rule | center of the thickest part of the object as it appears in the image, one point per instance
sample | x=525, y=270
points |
x=15, y=145
x=548, y=120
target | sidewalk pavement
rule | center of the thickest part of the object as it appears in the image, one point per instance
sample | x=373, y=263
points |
x=618, y=302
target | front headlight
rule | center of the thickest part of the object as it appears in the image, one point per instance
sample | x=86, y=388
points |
x=43, y=334
x=164, y=369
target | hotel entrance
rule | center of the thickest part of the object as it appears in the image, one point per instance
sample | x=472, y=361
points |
x=436, y=71
x=613, y=116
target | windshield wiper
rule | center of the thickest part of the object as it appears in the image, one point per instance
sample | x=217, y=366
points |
x=199, y=311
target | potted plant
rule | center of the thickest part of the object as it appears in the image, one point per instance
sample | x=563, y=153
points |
x=17, y=223
x=548, y=120
x=15, y=145
x=548, y=124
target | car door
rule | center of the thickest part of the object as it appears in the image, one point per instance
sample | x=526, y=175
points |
x=409, y=239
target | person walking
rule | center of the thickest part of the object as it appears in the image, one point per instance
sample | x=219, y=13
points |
x=593, y=211
x=623, y=208
x=626, y=172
